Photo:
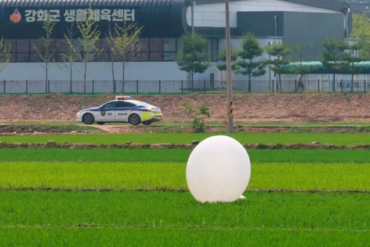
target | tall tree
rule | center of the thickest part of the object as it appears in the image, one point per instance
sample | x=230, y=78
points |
x=192, y=57
x=4, y=54
x=46, y=51
x=69, y=56
x=222, y=60
x=124, y=44
x=278, y=64
x=247, y=65
x=361, y=31
x=88, y=41
x=333, y=56
x=350, y=58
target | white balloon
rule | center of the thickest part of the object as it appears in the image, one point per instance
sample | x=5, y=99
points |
x=218, y=170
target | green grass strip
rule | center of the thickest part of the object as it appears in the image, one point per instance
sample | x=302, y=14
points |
x=180, y=155
x=171, y=176
x=87, y=237
x=250, y=138
x=338, y=212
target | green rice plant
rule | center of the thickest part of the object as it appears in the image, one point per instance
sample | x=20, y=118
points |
x=180, y=155
x=171, y=176
x=185, y=138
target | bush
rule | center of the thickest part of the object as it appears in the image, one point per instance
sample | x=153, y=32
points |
x=198, y=114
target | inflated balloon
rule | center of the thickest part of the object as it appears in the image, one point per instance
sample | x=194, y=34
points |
x=218, y=170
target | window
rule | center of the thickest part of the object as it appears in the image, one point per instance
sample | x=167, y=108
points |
x=156, y=45
x=125, y=104
x=144, y=45
x=23, y=45
x=23, y=57
x=109, y=105
x=36, y=45
x=156, y=56
x=169, y=44
x=102, y=57
x=169, y=56
x=12, y=43
x=103, y=45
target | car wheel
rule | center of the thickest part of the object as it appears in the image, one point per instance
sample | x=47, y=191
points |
x=134, y=119
x=101, y=123
x=88, y=118
x=147, y=123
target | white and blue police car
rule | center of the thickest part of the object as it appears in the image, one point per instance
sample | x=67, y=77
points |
x=124, y=110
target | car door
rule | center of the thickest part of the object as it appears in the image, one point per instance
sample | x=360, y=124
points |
x=123, y=111
x=106, y=113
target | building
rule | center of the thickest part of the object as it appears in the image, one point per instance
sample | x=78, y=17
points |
x=294, y=21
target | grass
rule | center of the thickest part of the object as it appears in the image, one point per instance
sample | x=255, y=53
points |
x=272, y=138
x=86, y=237
x=171, y=176
x=339, y=212
x=180, y=155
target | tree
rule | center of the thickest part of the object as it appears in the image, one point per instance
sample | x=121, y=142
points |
x=222, y=59
x=192, y=57
x=46, y=51
x=298, y=68
x=361, y=31
x=251, y=49
x=198, y=114
x=278, y=65
x=350, y=59
x=4, y=54
x=124, y=44
x=69, y=56
x=333, y=56
x=88, y=41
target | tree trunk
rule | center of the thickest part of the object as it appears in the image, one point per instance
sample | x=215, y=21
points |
x=114, y=84
x=46, y=76
x=249, y=84
x=192, y=82
x=70, y=77
x=351, y=83
x=280, y=84
x=123, y=74
x=85, y=72
x=334, y=83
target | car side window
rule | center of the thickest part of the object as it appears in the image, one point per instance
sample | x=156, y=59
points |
x=109, y=105
x=125, y=104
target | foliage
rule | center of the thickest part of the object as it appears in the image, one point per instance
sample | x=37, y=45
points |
x=46, y=52
x=361, y=31
x=69, y=56
x=222, y=59
x=124, y=44
x=5, y=48
x=198, y=114
x=88, y=41
x=279, y=51
x=192, y=57
x=333, y=56
x=250, y=50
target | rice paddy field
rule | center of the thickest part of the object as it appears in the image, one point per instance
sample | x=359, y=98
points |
x=139, y=197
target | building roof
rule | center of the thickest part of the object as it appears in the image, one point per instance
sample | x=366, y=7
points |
x=325, y=4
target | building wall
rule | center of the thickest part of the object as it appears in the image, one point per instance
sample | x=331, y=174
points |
x=213, y=15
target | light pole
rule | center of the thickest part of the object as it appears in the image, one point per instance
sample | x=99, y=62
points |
x=230, y=122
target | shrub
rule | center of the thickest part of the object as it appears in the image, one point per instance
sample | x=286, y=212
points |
x=198, y=114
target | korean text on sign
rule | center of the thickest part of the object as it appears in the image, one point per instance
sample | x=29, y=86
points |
x=71, y=15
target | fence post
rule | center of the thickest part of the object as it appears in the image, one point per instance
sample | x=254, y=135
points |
x=70, y=86
x=318, y=86
x=204, y=86
x=182, y=86
x=114, y=86
x=26, y=86
x=93, y=86
x=341, y=86
x=277, y=87
x=160, y=84
x=137, y=87
x=273, y=86
x=295, y=85
x=48, y=86
x=4, y=86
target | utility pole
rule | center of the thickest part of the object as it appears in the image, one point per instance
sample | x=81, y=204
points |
x=192, y=16
x=229, y=82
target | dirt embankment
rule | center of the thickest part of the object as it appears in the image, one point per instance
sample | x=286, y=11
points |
x=247, y=108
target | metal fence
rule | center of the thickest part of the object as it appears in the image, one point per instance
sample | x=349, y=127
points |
x=179, y=86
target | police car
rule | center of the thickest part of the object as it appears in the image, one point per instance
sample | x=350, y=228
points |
x=122, y=109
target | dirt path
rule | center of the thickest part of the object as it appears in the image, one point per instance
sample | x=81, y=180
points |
x=247, y=108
